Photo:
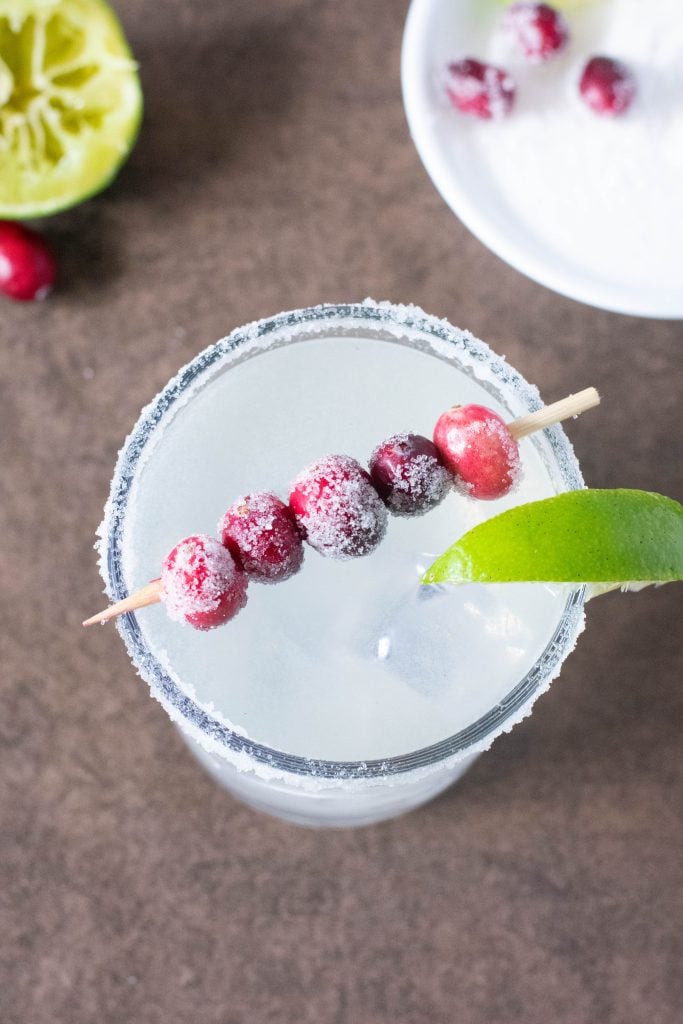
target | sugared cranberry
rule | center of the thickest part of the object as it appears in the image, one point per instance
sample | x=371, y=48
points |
x=540, y=31
x=480, y=89
x=408, y=474
x=27, y=266
x=475, y=444
x=201, y=583
x=337, y=508
x=607, y=86
x=261, y=534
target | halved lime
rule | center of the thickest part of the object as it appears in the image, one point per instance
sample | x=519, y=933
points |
x=70, y=103
x=606, y=538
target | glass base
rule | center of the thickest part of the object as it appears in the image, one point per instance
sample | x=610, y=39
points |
x=336, y=807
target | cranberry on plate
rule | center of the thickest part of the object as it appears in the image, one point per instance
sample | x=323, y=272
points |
x=480, y=90
x=607, y=86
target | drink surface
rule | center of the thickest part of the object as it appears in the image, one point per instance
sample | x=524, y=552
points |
x=346, y=661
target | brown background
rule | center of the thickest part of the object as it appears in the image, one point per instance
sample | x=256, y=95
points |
x=274, y=170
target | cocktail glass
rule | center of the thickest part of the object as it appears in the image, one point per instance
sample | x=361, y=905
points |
x=350, y=693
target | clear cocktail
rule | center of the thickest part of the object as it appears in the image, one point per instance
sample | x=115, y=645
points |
x=350, y=692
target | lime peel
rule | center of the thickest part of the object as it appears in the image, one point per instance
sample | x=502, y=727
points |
x=608, y=539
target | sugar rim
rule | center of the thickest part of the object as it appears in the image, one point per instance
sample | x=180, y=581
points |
x=393, y=321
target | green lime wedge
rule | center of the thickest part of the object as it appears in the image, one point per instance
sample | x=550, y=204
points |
x=605, y=538
x=70, y=103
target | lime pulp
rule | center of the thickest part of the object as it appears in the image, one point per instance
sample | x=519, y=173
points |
x=70, y=103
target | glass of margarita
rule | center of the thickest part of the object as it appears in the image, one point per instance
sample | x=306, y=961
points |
x=350, y=693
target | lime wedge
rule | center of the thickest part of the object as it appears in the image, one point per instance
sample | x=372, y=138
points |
x=605, y=538
x=70, y=103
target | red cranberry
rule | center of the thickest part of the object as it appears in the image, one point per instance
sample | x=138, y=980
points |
x=337, y=509
x=477, y=447
x=201, y=584
x=540, y=31
x=480, y=89
x=607, y=86
x=408, y=474
x=261, y=534
x=27, y=266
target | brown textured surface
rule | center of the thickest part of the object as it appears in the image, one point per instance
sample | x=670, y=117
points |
x=273, y=171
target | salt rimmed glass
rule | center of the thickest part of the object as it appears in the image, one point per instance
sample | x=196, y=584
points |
x=315, y=790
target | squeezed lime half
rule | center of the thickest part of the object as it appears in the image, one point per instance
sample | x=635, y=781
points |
x=70, y=103
x=604, y=538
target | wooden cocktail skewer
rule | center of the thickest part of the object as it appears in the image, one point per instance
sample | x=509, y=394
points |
x=565, y=409
x=151, y=594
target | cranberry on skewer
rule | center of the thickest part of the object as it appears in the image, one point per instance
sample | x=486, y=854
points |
x=337, y=508
x=478, y=448
x=408, y=474
x=261, y=534
x=200, y=584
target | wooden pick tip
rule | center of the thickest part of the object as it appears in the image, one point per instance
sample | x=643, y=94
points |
x=566, y=408
x=150, y=594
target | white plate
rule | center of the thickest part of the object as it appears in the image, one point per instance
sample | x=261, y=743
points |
x=449, y=145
